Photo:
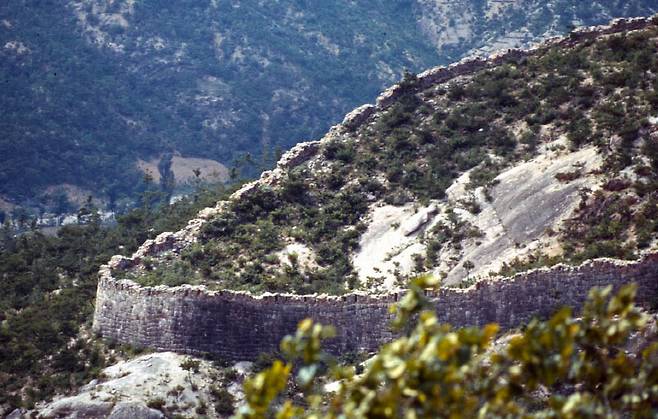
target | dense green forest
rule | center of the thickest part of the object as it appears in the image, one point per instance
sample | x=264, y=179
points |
x=49, y=285
x=90, y=86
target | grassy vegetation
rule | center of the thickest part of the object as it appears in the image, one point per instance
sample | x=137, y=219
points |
x=415, y=149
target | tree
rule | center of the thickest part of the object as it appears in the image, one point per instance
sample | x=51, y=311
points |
x=167, y=179
x=409, y=80
x=190, y=365
x=584, y=366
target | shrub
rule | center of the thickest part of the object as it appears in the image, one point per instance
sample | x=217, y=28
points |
x=580, y=131
x=157, y=404
x=568, y=176
x=582, y=366
x=224, y=401
x=202, y=408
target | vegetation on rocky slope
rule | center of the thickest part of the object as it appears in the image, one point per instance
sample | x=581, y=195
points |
x=48, y=289
x=602, y=93
x=89, y=86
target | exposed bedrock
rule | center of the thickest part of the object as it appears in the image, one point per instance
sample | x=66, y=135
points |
x=239, y=326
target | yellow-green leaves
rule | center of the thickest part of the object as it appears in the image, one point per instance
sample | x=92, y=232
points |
x=565, y=367
x=307, y=342
x=262, y=389
x=413, y=301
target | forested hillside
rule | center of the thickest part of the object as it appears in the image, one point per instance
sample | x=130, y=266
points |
x=49, y=284
x=91, y=86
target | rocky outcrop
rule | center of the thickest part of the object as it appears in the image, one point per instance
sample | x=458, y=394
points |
x=240, y=326
x=358, y=116
x=128, y=388
x=298, y=154
x=417, y=221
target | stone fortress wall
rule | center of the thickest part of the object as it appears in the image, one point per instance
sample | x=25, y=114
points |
x=470, y=65
x=239, y=326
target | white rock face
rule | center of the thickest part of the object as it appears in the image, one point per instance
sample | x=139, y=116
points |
x=304, y=256
x=390, y=241
x=528, y=203
x=130, y=385
x=419, y=220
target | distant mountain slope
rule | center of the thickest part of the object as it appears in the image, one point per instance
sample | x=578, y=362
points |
x=459, y=27
x=486, y=167
x=91, y=86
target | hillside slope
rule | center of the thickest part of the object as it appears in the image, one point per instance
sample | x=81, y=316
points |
x=92, y=86
x=485, y=167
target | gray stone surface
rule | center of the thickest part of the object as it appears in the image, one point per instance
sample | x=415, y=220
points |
x=239, y=326
x=129, y=386
x=134, y=411
x=76, y=409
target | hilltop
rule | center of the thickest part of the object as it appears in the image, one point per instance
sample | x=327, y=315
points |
x=472, y=172
x=486, y=167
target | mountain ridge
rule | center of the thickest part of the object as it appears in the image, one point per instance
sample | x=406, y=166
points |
x=305, y=153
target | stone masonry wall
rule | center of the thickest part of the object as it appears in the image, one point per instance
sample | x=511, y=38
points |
x=238, y=326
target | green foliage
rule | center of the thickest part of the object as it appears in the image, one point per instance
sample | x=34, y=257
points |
x=240, y=245
x=562, y=367
x=580, y=131
x=601, y=228
x=531, y=261
x=484, y=174
x=190, y=365
x=224, y=401
x=157, y=404
x=414, y=150
x=49, y=284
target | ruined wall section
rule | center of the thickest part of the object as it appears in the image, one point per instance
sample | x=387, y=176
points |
x=239, y=326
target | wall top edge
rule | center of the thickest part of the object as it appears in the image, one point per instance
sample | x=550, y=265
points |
x=108, y=281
